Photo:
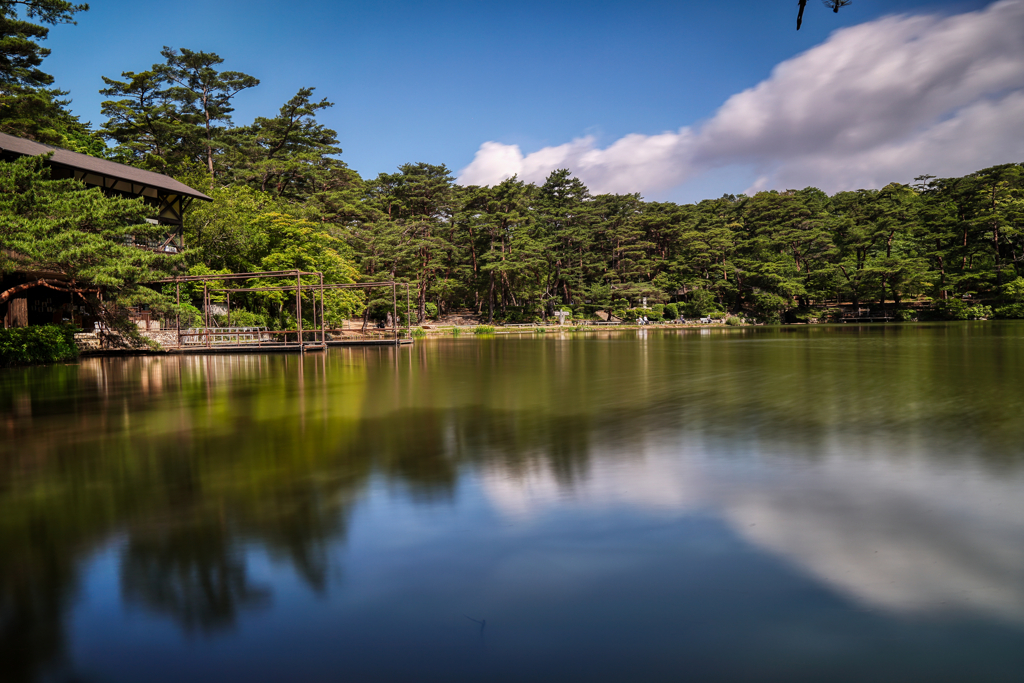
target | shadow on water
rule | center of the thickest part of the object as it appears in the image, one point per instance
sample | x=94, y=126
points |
x=192, y=461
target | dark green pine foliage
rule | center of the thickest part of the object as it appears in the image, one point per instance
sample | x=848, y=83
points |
x=29, y=107
x=63, y=227
x=512, y=253
x=290, y=155
x=21, y=55
x=414, y=208
x=566, y=222
x=175, y=113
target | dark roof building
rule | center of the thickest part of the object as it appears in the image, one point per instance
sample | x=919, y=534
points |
x=171, y=198
x=167, y=194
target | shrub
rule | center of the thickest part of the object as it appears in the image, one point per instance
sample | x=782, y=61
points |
x=702, y=302
x=243, y=318
x=39, y=344
x=1011, y=311
x=189, y=316
x=430, y=309
x=807, y=315
x=671, y=312
x=905, y=315
x=483, y=329
x=957, y=309
x=734, y=320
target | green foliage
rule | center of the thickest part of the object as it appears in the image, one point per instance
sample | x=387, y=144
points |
x=431, y=309
x=419, y=332
x=671, y=312
x=189, y=316
x=296, y=243
x=1011, y=311
x=701, y=302
x=175, y=113
x=85, y=237
x=1014, y=292
x=22, y=54
x=39, y=344
x=957, y=309
x=241, y=317
x=483, y=330
x=290, y=155
x=733, y=320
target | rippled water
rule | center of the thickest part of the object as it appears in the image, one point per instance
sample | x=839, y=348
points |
x=799, y=504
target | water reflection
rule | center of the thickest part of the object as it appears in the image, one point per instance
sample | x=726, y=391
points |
x=881, y=465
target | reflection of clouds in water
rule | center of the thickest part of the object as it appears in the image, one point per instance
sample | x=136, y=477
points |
x=649, y=481
x=906, y=533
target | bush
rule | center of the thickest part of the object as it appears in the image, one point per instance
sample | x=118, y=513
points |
x=807, y=315
x=957, y=309
x=418, y=332
x=1011, y=311
x=906, y=315
x=733, y=320
x=671, y=312
x=243, y=318
x=39, y=344
x=430, y=309
x=483, y=329
x=702, y=302
x=189, y=316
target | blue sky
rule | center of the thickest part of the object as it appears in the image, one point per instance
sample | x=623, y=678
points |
x=433, y=81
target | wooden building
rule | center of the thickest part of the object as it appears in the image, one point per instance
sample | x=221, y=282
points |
x=171, y=199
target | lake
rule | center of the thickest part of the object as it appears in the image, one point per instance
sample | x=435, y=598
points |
x=838, y=503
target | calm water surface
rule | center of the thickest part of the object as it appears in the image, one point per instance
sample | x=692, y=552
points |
x=840, y=504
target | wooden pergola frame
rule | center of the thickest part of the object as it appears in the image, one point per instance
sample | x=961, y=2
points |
x=317, y=286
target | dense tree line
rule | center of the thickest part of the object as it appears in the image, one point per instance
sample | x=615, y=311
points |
x=518, y=251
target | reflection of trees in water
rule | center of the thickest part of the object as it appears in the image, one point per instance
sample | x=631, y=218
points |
x=195, y=574
x=35, y=590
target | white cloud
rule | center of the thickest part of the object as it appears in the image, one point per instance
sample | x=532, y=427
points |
x=632, y=164
x=882, y=101
x=908, y=535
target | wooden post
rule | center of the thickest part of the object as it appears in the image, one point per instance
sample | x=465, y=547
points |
x=206, y=313
x=177, y=311
x=298, y=306
x=323, y=320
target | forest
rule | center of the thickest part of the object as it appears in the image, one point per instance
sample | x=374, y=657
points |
x=949, y=248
